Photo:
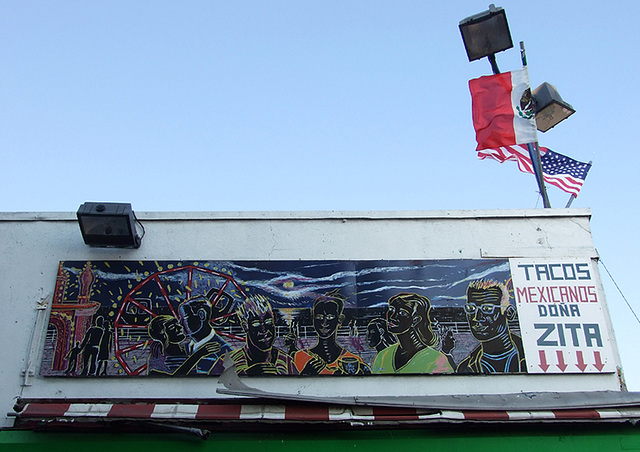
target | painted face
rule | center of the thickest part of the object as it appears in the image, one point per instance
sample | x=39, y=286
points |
x=326, y=318
x=484, y=313
x=175, y=332
x=399, y=316
x=261, y=331
x=373, y=336
x=190, y=319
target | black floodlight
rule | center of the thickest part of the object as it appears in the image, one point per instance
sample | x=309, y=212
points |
x=108, y=224
x=486, y=33
x=550, y=108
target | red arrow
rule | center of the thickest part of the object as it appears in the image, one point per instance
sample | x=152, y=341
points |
x=543, y=361
x=561, y=365
x=598, y=363
x=581, y=365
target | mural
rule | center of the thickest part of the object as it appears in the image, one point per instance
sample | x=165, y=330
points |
x=182, y=318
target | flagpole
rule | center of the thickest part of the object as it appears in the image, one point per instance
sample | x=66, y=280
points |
x=534, y=150
x=536, y=162
x=572, y=197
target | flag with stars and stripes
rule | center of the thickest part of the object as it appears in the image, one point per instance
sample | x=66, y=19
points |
x=559, y=170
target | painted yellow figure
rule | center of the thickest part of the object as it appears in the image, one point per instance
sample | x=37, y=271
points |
x=488, y=311
x=408, y=319
x=259, y=356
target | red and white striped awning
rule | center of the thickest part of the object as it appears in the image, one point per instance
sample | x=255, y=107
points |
x=306, y=413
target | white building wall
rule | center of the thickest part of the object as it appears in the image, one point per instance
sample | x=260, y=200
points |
x=32, y=244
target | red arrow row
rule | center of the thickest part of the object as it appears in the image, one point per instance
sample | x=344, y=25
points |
x=562, y=365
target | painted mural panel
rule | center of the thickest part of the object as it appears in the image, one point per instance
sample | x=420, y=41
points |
x=185, y=318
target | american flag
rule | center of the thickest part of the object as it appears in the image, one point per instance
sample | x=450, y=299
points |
x=559, y=170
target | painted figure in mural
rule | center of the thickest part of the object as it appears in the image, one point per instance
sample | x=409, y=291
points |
x=291, y=339
x=447, y=344
x=355, y=341
x=169, y=354
x=222, y=307
x=327, y=356
x=205, y=344
x=353, y=328
x=488, y=311
x=91, y=347
x=104, y=350
x=167, y=351
x=72, y=356
x=378, y=337
x=408, y=319
x=259, y=356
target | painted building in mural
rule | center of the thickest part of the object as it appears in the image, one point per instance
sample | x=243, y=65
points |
x=304, y=306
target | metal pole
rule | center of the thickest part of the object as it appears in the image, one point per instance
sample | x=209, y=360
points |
x=494, y=64
x=534, y=151
x=572, y=197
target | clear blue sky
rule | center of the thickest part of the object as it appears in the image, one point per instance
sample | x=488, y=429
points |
x=332, y=105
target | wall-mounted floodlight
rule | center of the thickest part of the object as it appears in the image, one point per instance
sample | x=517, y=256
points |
x=108, y=224
x=550, y=108
x=486, y=33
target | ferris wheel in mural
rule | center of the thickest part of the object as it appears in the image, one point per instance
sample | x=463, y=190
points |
x=161, y=293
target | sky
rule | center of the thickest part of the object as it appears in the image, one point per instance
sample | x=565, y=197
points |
x=305, y=106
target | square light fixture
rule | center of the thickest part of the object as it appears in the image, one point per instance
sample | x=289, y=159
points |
x=108, y=224
x=486, y=33
x=550, y=108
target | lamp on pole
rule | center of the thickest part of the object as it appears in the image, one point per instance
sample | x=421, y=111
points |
x=550, y=108
x=485, y=34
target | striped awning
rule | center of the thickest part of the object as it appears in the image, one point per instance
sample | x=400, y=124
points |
x=297, y=413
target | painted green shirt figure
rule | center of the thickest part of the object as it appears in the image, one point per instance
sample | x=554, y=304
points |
x=426, y=361
x=409, y=319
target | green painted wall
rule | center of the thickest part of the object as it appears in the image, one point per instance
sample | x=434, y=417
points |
x=584, y=437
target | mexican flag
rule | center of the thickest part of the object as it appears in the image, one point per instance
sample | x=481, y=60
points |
x=503, y=110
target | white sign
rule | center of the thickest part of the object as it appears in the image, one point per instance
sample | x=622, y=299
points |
x=561, y=316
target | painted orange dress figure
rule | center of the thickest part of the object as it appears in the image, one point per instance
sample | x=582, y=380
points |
x=328, y=357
